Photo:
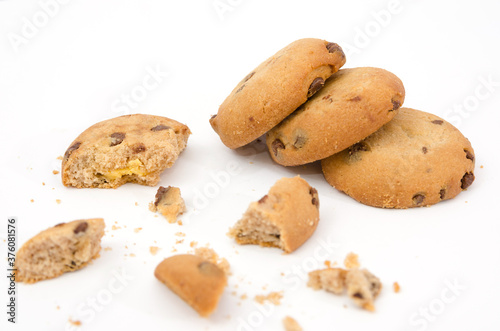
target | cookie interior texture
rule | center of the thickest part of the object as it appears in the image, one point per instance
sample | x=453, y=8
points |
x=275, y=89
x=132, y=148
x=361, y=285
x=195, y=280
x=284, y=218
x=353, y=104
x=417, y=159
x=63, y=248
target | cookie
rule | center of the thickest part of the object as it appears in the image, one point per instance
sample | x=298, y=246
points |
x=275, y=89
x=417, y=159
x=353, y=104
x=63, y=248
x=131, y=148
x=169, y=203
x=285, y=217
x=198, y=282
x=361, y=285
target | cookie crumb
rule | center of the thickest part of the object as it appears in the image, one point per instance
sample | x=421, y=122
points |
x=136, y=230
x=243, y=297
x=273, y=297
x=32, y=200
x=193, y=244
x=290, y=324
x=179, y=222
x=75, y=323
x=179, y=241
x=180, y=234
x=153, y=250
x=396, y=287
x=58, y=201
x=55, y=172
x=169, y=203
x=59, y=157
x=57, y=307
x=114, y=227
x=137, y=204
x=106, y=249
x=351, y=261
x=43, y=183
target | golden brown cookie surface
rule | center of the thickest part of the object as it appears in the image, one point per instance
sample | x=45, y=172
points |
x=353, y=104
x=417, y=159
x=275, y=89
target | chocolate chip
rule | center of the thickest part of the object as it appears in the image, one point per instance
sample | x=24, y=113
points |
x=277, y=144
x=467, y=180
x=356, y=98
x=424, y=150
x=160, y=128
x=73, y=263
x=418, y=199
x=314, y=193
x=395, y=104
x=358, y=295
x=208, y=268
x=71, y=149
x=160, y=194
x=117, y=138
x=251, y=119
x=333, y=47
x=315, y=86
x=247, y=77
x=263, y=199
x=213, y=116
x=82, y=227
x=138, y=148
x=358, y=147
x=239, y=89
x=438, y=122
x=300, y=141
x=469, y=155
x=278, y=236
x=442, y=193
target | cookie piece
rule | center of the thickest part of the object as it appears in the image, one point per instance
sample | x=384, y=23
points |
x=198, y=282
x=417, y=159
x=353, y=104
x=285, y=217
x=275, y=89
x=63, y=248
x=169, y=202
x=361, y=285
x=290, y=324
x=131, y=148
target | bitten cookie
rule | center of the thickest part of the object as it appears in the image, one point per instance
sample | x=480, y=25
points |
x=169, y=202
x=275, y=89
x=353, y=104
x=417, y=159
x=131, y=148
x=63, y=248
x=285, y=217
x=196, y=281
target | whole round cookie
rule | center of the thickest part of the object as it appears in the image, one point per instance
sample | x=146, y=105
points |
x=131, y=148
x=353, y=104
x=275, y=89
x=417, y=159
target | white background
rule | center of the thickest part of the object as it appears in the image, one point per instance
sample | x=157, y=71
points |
x=71, y=69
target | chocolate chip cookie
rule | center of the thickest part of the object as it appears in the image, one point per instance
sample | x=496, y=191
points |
x=353, y=104
x=195, y=280
x=275, y=89
x=63, y=248
x=285, y=217
x=131, y=148
x=169, y=202
x=417, y=159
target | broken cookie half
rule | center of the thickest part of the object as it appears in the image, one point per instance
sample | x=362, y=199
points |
x=63, y=248
x=285, y=217
x=131, y=148
x=195, y=280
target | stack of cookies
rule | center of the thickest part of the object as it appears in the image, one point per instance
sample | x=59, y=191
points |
x=372, y=149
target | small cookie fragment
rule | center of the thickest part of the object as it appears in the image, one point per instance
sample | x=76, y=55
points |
x=63, y=248
x=351, y=261
x=396, y=287
x=198, y=282
x=290, y=324
x=169, y=202
x=132, y=148
x=272, y=297
x=285, y=217
x=415, y=160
